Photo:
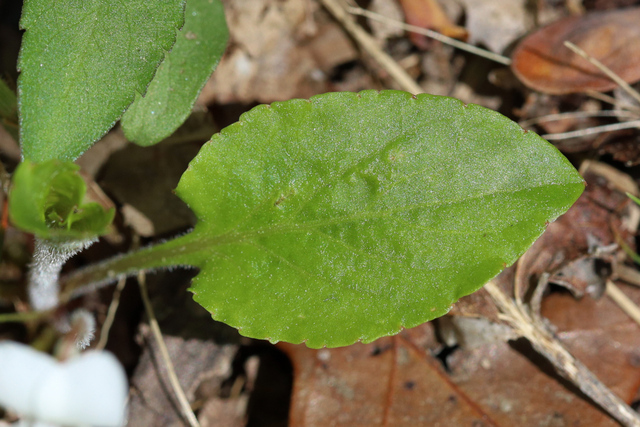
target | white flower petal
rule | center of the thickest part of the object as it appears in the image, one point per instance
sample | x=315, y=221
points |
x=90, y=389
x=21, y=371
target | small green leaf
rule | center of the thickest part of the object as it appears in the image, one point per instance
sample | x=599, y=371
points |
x=179, y=79
x=82, y=62
x=46, y=199
x=350, y=216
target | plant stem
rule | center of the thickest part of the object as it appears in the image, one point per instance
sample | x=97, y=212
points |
x=23, y=316
x=164, y=353
x=566, y=365
x=48, y=258
x=171, y=253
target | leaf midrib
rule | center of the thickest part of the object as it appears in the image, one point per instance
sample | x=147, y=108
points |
x=201, y=238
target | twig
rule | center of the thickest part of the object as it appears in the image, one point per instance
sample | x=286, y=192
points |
x=606, y=70
x=5, y=179
x=623, y=301
x=396, y=72
x=592, y=131
x=432, y=34
x=610, y=100
x=518, y=284
x=23, y=316
x=615, y=178
x=566, y=365
x=111, y=314
x=626, y=274
x=538, y=293
x=173, y=378
x=577, y=115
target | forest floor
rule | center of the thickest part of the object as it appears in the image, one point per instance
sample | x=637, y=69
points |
x=557, y=354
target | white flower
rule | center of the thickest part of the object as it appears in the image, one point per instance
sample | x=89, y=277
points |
x=87, y=390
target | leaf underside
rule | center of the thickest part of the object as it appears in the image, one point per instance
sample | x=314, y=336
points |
x=82, y=62
x=348, y=217
x=179, y=79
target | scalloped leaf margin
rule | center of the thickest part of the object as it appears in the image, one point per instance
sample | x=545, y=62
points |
x=350, y=216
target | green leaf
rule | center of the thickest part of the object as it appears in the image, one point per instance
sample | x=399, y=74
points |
x=9, y=110
x=46, y=199
x=82, y=62
x=347, y=217
x=179, y=79
x=350, y=216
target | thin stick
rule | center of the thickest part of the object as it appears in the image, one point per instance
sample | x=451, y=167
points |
x=432, y=34
x=577, y=115
x=623, y=301
x=626, y=274
x=111, y=314
x=5, y=179
x=592, y=131
x=23, y=316
x=518, y=285
x=566, y=365
x=610, y=100
x=606, y=70
x=173, y=378
x=396, y=72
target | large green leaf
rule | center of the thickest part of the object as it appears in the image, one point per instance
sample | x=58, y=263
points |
x=181, y=76
x=350, y=216
x=82, y=62
x=47, y=199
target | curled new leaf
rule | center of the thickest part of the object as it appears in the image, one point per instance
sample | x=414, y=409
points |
x=46, y=199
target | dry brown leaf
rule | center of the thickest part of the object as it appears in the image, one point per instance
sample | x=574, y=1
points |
x=478, y=304
x=496, y=23
x=392, y=382
x=516, y=386
x=430, y=15
x=519, y=388
x=187, y=332
x=542, y=62
x=382, y=31
x=623, y=147
x=268, y=58
x=144, y=177
x=607, y=4
x=574, y=236
x=600, y=335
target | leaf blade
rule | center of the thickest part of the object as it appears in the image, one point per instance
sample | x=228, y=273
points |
x=81, y=64
x=181, y=76
x=350, y=216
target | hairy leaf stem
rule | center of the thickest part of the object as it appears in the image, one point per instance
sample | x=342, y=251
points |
x=48, y=258
x=163, y=255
